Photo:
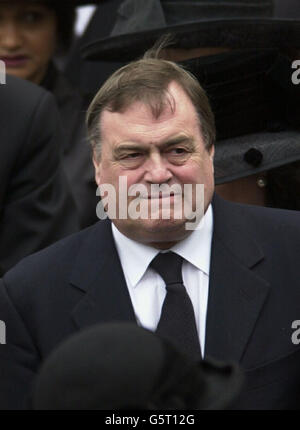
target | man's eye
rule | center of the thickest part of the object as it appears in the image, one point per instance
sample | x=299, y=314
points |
x=178, y=155
x=131, y=160
x=133, y=155
x=178, y=151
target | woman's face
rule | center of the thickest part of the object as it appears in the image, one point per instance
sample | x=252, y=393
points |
x=28, y=32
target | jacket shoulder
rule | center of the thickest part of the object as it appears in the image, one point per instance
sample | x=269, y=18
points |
x=259, y=218
x=52, y=264
x=19, y=89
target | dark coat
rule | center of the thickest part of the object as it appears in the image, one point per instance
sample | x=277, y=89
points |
x=88, y=75
x=36, y=207
x=254, y=296
x=77, y=158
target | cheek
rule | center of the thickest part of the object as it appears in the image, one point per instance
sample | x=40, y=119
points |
x=43, y=43
x=190, y=172
x=110, y=173
x=197, y=171
x=134, y=176
x=47, y=49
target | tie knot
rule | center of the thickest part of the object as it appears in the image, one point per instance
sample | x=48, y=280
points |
x=168, y=265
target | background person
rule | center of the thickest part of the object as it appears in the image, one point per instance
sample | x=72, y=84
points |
x=32, y=33
x=89, y=76
x=36, y=205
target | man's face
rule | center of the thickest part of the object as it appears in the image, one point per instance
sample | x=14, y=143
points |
x=167, y=150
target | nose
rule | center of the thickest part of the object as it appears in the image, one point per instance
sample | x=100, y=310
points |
x=157, y=171
x=10, y=37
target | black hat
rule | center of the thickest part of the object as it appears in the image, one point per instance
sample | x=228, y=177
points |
x=255, y=153
x=196, y=23
x=72, y=3
x=256, y=108
x=123, y=366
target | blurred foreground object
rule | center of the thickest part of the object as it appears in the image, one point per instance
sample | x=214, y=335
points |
x=123, y=366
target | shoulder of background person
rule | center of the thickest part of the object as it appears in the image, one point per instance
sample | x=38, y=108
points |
x=37, y=207
x=20, y=97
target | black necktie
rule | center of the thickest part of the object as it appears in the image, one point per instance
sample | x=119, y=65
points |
x=177, y=322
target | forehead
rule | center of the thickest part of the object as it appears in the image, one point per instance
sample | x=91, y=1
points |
x=178, y=115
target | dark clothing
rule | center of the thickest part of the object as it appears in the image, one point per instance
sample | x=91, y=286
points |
x=254, y=296
x=36, y=206
x=90, y=75
x=77, y=158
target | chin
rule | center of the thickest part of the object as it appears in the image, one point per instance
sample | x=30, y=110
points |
x=150, y=231
x=163, y=230
x=19, y=73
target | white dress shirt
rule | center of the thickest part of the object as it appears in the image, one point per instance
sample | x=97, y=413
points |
x=84, y=15
x=147, y=288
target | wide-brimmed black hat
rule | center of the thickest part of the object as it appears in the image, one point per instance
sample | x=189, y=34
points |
x=255, y=153
x=195, y=23
x=256, y=107
x=67, y=3
x=123, y=366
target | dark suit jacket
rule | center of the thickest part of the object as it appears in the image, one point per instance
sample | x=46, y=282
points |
x=254, y=296
x=36, y=206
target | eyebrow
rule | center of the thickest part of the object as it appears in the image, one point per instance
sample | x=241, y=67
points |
x=176, y=141
x=164, y=145
x=127, y=147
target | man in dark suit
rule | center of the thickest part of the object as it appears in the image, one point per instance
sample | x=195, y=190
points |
x=151, y=124
x=36, y=207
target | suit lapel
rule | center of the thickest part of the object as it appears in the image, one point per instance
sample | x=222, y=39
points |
x=99, y=274
x=236, y=293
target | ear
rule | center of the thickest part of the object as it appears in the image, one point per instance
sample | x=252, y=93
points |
x=97, y=166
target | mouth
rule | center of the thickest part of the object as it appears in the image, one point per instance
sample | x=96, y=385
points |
x=14, y=61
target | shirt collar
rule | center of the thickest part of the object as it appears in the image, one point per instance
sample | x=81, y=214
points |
x=196, y=248
x=135, y=257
